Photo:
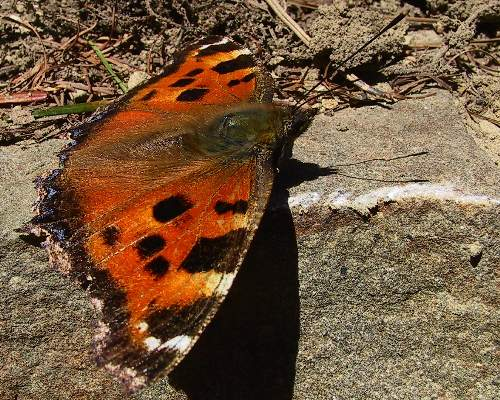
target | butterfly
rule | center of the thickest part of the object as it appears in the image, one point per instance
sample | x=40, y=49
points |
x=157, y=200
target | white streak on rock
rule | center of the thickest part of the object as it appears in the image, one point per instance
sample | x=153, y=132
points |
x=339, y=199
x=364, y=202
x=304, y=200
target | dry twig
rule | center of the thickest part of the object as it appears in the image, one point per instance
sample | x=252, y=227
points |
x=23, y=97
x=282, y=14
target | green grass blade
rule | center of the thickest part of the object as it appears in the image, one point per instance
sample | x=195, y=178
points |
x=106, y=64
x=68, y=109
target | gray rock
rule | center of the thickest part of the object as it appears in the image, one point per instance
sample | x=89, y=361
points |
x=353, y=288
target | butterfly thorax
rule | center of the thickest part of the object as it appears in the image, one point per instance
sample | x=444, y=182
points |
x=241, y=129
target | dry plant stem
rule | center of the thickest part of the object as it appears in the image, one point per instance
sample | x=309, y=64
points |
x=304, y=4
x=104, y=48
x=415, y=180
x=407, y=88
x=492, y=120
x=31, y=28
x=123, y=64
x=87, y=80
x=365, y=87
x=424, y=46
x=421, y=20
x=416, y=82
x=55, y=99
x=468, y=52
x=418, y=153
x=489, y=40
x=37, y=74
x=28, y=74
x=103, y=90
x=436, y=45
x=282, y=14
x=394, y=21
x=157, y=16
x=75, y=38
x=113, y=20
x=23, y=97
x=14, y=135
x=149, y=59
x=483, y=66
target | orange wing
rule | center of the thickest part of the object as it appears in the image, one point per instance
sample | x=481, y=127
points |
x=150, y=217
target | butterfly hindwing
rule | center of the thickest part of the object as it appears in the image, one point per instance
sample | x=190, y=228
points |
x=153, y=218
x=182, y=251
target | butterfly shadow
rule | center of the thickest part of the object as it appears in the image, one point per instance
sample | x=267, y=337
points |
x=249, y=349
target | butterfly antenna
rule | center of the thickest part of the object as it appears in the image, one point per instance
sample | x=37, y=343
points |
x=390, y=25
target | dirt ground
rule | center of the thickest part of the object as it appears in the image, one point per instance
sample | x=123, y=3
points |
x=45, y=52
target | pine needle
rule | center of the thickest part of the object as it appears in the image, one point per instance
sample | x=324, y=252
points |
x=108, y=67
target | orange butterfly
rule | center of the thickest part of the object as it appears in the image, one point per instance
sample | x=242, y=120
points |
x=157, y=202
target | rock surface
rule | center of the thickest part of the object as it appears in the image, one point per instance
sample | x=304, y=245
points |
x=353, y=288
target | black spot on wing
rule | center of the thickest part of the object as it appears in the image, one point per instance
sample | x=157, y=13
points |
x=157, y=267
x=170, y=208
x=182, y=82
x=218, y=48
x=110, y=235
x=208, y=253
x=241, y=62
x=194, y=72
x=150, y=245
x=248, y=78
x=221, y=207
x=238, y=207
x=192, y=94
x=149, y=95
x=168, y=323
